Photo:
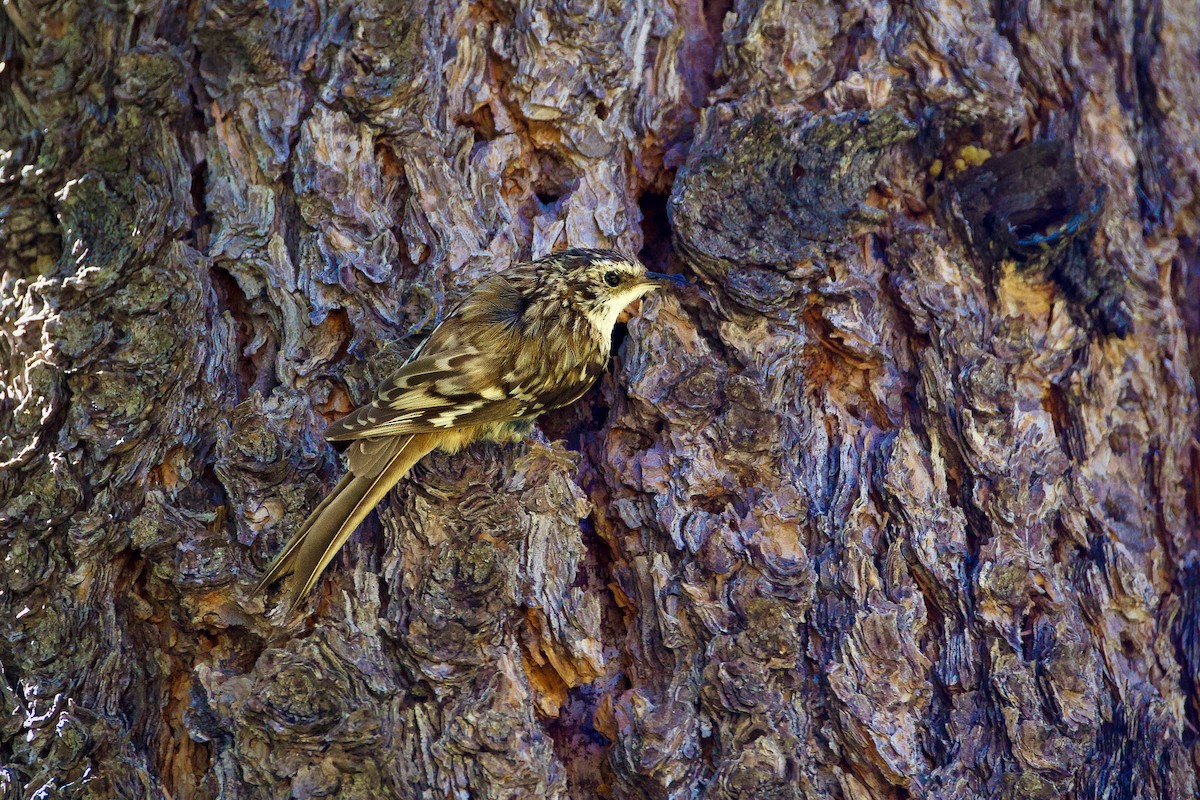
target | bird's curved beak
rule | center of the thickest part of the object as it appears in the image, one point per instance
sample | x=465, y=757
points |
x=659, y=279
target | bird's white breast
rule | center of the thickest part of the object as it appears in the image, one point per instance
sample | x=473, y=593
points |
x=604, y=317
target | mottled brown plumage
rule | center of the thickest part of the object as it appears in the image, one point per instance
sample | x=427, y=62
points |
x=527, y=340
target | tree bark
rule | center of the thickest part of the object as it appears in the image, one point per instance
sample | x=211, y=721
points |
x=899, y=501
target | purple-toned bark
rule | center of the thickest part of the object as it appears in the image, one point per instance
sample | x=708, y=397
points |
x=900, y=501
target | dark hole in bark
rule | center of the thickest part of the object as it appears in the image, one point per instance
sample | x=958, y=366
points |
x=1029, y=648
x=657, y=251
x=482, y=123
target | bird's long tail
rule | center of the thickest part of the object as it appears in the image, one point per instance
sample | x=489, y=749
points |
x=376, y=465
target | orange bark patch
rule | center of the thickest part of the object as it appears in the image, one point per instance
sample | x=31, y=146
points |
x=1023, y=295
x=337, y=406
x=551, y=669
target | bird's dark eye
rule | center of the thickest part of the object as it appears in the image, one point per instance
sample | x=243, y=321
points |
x=612, y=278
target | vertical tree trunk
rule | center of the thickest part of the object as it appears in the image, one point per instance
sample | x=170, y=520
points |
x=900, y=501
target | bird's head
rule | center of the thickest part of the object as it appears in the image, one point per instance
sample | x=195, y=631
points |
x=603, y=282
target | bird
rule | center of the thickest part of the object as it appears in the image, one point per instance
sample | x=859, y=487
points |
x=526, y=340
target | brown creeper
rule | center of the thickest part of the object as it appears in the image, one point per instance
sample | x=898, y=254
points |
x=525, y=341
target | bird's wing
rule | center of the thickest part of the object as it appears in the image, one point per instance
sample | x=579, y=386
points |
x=479, y=366
x=465, y=386
x=436, y=392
